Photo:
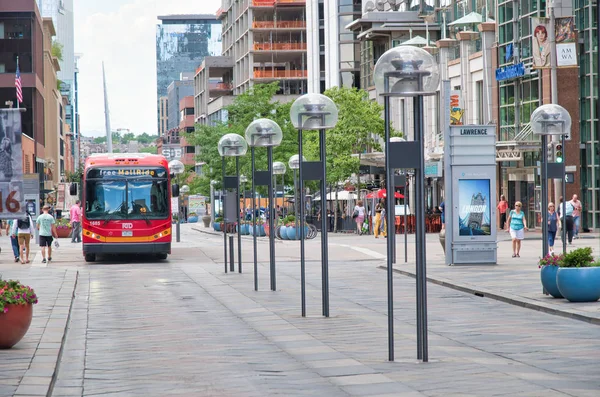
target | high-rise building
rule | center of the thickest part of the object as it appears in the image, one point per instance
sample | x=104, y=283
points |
x=485, y=49
x=272, y=47
x=333, y=51
x=586, y=20
x=182, y=42
x=61, y=12
x=176, y=91
x=21, y=34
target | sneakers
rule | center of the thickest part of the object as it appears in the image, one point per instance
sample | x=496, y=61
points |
x=17, y=259
x=44, y=260
x=49, y=259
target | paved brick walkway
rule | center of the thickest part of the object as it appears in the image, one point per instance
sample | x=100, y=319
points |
x=186, y=328
x=183, y=327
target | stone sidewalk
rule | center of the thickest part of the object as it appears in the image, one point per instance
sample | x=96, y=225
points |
x=30, y=367
x=512, y=280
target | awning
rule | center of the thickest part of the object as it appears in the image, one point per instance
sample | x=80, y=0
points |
x=418, y=41
x=343, y=195
x=469, y=19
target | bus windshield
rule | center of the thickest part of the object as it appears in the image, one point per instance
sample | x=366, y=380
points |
x=117, y=197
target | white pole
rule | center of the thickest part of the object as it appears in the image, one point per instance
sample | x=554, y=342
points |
x=107, y=115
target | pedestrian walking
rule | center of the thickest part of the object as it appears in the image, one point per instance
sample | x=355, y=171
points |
x=502, y=208
x=75, y=218
x=383, y=227
x=379, y=219
x=11, y=230
x=553, y=226
x=359, y=216
x=46, y=224
x=567, y=218
x=24, y=234
x=576, y=215
x=517, y=223
x=442, y=209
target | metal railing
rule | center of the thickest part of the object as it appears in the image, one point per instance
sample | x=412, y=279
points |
x=279, y=46
x=258, y=74
x=278, y=24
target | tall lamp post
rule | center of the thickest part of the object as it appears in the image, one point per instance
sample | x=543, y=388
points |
x=294, y=164
x=177, y=168
x=551, y=119
x=232, y=145
x=314, y=112
x=212, y=201
x=407, y=72
x=279, y=169
x=185, y=189
x=264, y=133
x=243, y=181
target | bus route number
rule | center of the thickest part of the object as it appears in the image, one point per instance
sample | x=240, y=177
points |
x=95, y=223
x=11, y=204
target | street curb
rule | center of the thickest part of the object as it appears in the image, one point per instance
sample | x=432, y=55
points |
x=31, y=377
x=510, y=299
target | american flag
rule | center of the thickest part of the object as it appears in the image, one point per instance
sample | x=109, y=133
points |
x=18, y=85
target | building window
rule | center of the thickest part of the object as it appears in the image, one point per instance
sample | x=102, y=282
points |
x=190, y=149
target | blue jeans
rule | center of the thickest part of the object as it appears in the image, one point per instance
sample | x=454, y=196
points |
x=551, y=237
x=576, y=220
x=14, y=241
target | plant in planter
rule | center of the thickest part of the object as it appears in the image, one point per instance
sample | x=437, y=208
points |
x=549, y=267
x=16, y=311
x=578, y=277
x=217, y=224
x=63, y=227
x=192, y=217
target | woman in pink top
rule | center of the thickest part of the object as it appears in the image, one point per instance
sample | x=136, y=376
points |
x=502, y=208
x=75, y=218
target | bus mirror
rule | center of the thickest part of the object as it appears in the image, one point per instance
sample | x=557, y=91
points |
x=73, y=189
x=175, y=190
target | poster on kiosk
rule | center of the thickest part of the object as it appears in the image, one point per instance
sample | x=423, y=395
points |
x=475, y=217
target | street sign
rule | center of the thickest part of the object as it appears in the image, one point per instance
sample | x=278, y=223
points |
x=569, y=177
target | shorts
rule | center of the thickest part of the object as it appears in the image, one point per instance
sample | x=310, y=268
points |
x=46, y=241
x=517, y=234
x=24, y=239
x=360, y=219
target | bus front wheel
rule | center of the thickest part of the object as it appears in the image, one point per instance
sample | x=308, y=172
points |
x=90, y=257
x=162, y=256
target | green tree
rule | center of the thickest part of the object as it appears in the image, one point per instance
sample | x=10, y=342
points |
x=127, y=137
x=100, y=139
x=358, y=129
x=254, y=104
x=57, y=50
x=149, y=149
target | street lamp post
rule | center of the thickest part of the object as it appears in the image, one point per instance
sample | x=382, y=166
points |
x=279, y=169
x=177, y=168
x=232, y=145
x=314, y=112
x=407, y=71
x=185, y=189
x=294, y=164
x=551, y=119
x=264, y=133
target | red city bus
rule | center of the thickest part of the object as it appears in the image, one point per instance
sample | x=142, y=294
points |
x=126, y=205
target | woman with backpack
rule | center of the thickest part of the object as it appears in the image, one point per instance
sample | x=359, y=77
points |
x=24, y=232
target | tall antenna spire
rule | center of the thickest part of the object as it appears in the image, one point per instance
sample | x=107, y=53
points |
x=107, y=115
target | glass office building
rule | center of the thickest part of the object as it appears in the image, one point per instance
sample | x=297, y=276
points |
x=182, y=42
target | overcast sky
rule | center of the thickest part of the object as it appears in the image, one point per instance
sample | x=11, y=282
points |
x=122, y=33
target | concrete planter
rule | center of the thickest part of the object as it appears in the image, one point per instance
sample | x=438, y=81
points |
x=206, y=220
x=579, y=284
x=548, y=278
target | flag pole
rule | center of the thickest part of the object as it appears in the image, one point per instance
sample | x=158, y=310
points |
x=17, y=69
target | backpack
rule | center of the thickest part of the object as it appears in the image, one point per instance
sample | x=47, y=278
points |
x=23, y=223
